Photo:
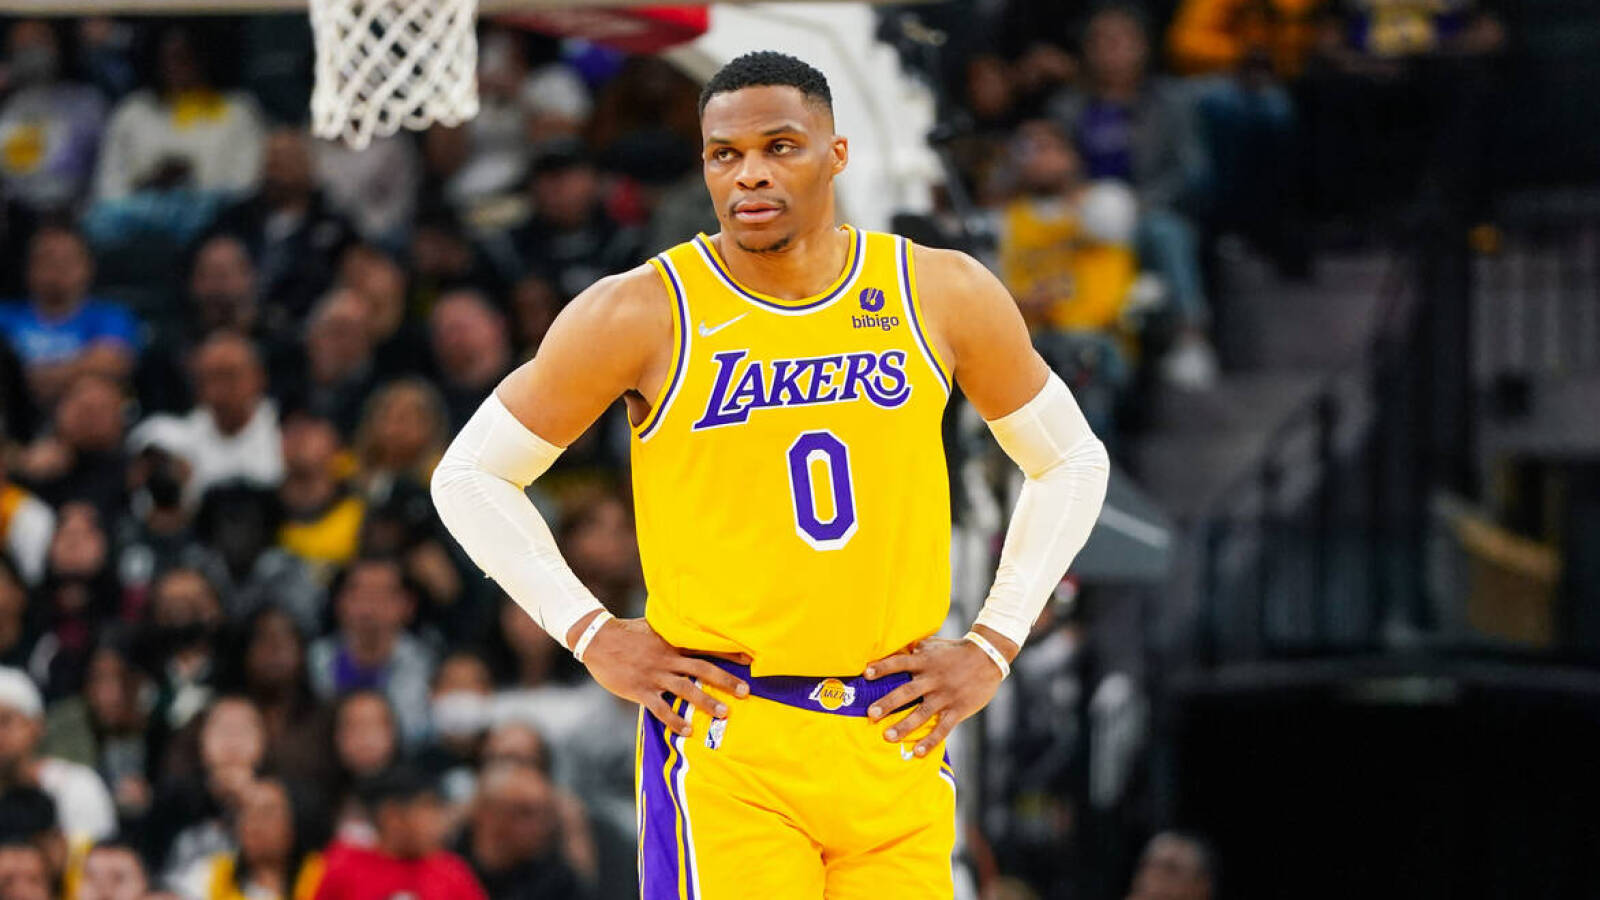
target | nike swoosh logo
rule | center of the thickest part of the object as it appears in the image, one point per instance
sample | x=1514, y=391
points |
x=708, y=332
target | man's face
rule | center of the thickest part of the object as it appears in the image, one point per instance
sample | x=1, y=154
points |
x=23, y=874
x=309, y=446
x=464, y=333
x=229, y=382
x=59, y=269
x=90, y=415
x=1114, y=48
x=286, y=170
x=223, y=285
x=565, y=196
x=516, y=811
x=1045, y=161
x=112, y=874
x=339, y=342
x=18, y=736
x=1171, y=869
x=411, y=829
x=373, y=600
x=770, y=156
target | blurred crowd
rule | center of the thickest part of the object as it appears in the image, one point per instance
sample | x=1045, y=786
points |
x=239, y=656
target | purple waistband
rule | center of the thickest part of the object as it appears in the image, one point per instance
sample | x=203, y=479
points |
x=848, y=696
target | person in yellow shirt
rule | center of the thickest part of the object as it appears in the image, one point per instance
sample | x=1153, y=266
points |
x=275, y=859
x=1068, y=271
x=1066, y=254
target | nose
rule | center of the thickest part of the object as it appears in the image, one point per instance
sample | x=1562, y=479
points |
x=752, y=174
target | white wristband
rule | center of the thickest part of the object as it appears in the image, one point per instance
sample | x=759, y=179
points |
x=584, y=639
x=989, y=651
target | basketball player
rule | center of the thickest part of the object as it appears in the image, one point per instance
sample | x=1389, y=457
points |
x=785, y=379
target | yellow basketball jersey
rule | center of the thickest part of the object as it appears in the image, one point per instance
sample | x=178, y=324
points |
x=789, y=483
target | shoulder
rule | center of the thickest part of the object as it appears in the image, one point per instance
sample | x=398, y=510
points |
x=629, y=303
x=949, y=277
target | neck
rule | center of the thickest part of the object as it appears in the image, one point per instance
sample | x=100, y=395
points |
x=805, y=266
x=268, y=873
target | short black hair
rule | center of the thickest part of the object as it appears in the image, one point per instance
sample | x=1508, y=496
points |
x=397, y=784
x=765, y=68
x=26, y=813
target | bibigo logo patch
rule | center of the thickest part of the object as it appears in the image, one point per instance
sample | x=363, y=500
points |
x=832, y=694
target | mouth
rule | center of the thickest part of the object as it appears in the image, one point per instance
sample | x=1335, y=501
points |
x=756, y=212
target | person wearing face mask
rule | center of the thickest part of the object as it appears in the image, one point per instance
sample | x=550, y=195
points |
x=49, y=128
x=459, y=712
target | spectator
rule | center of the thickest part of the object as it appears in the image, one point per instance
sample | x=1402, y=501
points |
x=49, y=128
x=408, y=858
x=512, y=840
x=60, y=332
x=1066, y=254
x=569, y=238
x=24, y=875
x=290, y=231
x=26, y=526
x=16, y=632
x=28, y=814
x=154, y=533
x=278, y=836
x=83, y=807
x=184, y=131
x=322, y=515
x=471, y=351
x=113, y=870
x=264, y=659
x=401, y=437
x=209, y=773
x=184, y=616
x=82, y=457
x=79, y=594
x=222, y=297
x=238, y=525
x=444, y=258
x=1175, y=866
x=232, y=432
x=371, y=648
x=107, y=728
x=365, y=742
x=1141, y=131
x=339, y=366
x=398, y=347
x=459, y=714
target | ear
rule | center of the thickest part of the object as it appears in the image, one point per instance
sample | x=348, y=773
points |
x=841, y=153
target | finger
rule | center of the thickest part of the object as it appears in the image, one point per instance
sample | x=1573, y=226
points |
x=714, y=675
x=939, y=733
x=909, y=725
x=899, y=662
x=900, y=696
x=688, y=690
x=663, y=712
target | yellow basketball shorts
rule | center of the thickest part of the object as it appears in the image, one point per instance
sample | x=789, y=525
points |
x=794, y=796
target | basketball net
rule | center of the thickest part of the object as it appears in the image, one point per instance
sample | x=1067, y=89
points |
x=387, y=64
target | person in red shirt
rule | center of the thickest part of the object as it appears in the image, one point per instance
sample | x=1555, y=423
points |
x=408, y=860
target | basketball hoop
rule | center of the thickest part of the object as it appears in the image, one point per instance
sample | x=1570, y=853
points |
x=387, y=64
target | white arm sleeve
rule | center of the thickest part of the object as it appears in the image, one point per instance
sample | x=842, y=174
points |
x=477, y=489
x=1067, y=469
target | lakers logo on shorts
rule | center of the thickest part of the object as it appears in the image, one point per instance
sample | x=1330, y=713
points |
x=832, y=694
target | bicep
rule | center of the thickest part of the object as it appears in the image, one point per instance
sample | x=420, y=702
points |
x=992, y=355
x=596, y=350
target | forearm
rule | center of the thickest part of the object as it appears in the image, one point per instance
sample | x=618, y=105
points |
x=1067, y=469
x=478, y=490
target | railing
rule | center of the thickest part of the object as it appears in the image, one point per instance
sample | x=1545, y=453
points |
x=1319, y=547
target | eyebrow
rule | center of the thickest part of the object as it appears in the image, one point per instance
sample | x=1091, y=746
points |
x=785, y=128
